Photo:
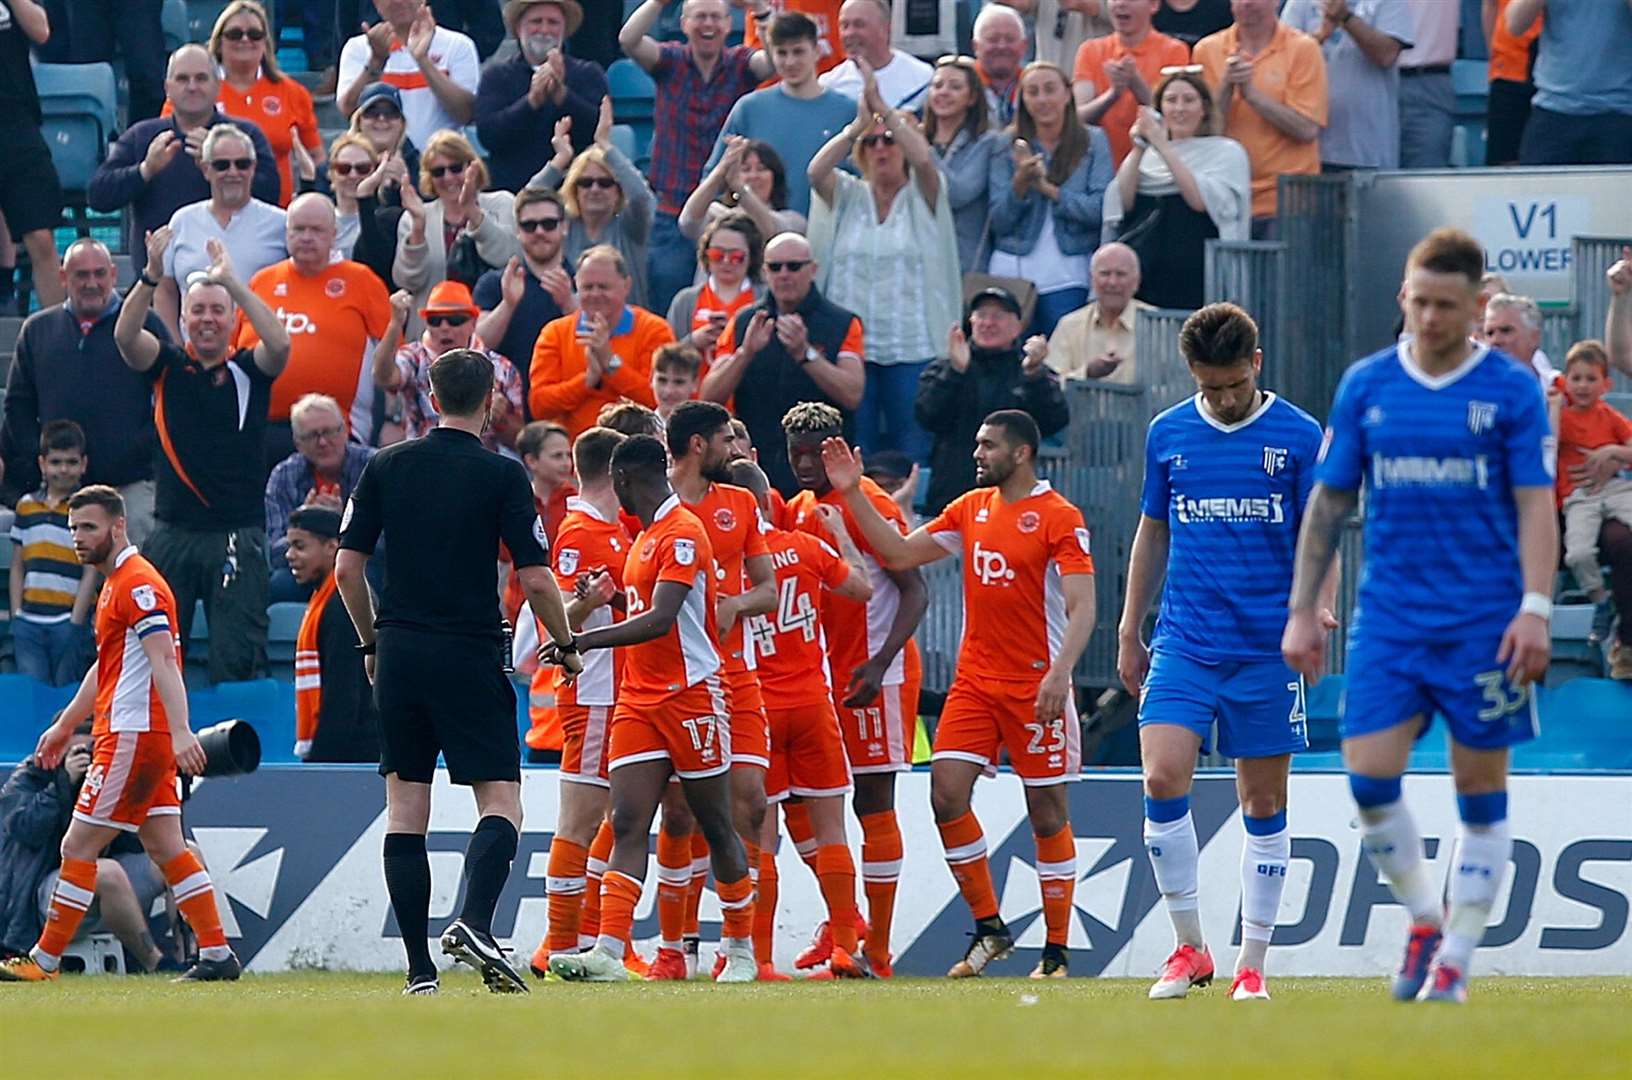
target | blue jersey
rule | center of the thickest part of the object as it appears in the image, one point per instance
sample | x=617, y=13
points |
x=1440, y=458
x=1232, y=496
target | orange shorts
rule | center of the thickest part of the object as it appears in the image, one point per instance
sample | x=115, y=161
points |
x=750, y=734
x=807, y=752
x=584, y=730
x=878, y=738
x=132, y=776
x=691, y=730
x=979, y=717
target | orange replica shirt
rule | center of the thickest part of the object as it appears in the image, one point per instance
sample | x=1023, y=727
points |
x=1509, y=55
x=587, y=543
x=856, y=631
x=789, y=640
x=1581, y=431
x=675, y=548
x=1014, y=556
x=709, y=303
x=334, y=319
x=1291, y=71
x=558, y=375
x=731, y=516
x=283, y=111
x=824, y=13
x=1150, y=56
x=136, y=601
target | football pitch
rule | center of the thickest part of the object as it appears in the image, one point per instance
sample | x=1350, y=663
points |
x=344, y=1025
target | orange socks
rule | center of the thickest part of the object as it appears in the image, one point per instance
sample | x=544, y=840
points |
x=837, y=873
x=880, y=872
x=765, y=907
x=965, y=848
x=195, y=896
x=600, y=849
x=797, y=817
x=673, y=882
x=1057, y=874
x=76, y=888
x=699, y=878
x=737, y=907
x=619, y=895
x=565, y=887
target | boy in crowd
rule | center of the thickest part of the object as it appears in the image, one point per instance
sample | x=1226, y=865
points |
x=51, y=594
x=676, y=374
x=334, y=703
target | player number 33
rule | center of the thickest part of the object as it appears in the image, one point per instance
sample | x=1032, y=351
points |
x=1502, y=698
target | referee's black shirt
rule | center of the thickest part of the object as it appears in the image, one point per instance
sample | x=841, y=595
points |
x=443, y=502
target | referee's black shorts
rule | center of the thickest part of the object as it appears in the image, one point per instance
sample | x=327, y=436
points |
x=30, y=196
x=445, y=693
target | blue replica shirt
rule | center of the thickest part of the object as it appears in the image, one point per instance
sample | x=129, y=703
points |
x=1440, y=458
x=1233, y=497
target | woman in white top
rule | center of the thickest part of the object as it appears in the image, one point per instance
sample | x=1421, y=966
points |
x=886, y=250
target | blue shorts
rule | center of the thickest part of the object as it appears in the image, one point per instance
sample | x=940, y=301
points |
x=1390, y=682
x=1258, y=704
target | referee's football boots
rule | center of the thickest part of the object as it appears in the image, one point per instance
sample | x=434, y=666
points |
x=466, y=943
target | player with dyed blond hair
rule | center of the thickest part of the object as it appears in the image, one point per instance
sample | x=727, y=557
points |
x=1028, y=593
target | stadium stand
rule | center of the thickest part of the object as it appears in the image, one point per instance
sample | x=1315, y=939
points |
x=79, y=105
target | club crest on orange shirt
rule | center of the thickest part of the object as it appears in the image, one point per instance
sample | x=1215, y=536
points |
x=685, y=551
x=1029, y=521
x=145, y=597
x=725, y=519
x=648, y=550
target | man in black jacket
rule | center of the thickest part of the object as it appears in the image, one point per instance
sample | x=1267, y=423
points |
x=520, y=99
x=986, y=369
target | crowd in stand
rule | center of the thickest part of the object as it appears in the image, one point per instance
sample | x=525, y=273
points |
x=916, y=241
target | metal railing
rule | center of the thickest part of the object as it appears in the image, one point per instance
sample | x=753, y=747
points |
x=1249, y=273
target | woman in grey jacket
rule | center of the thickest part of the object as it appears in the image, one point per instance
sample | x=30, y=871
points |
x=607, y=200
x=1047, y=194
x=958, y=126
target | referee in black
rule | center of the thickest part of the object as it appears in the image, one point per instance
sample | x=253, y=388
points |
x=435, y=652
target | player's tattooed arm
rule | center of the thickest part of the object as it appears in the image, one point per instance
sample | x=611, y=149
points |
x=867, y=681
x=1304, y=643
x=895, y=552
x=1147, y=564
x=856, y=586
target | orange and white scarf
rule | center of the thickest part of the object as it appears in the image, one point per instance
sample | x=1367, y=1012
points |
x=309, y=669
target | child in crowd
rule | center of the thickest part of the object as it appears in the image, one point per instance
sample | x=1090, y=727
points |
x=676, y=374
x=1594, y=450
x=52, y=595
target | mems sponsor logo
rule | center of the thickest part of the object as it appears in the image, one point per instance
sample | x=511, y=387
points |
x=1266, y=510
x=1430, y=472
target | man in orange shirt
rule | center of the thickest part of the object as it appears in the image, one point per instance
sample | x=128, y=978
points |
x=335, y=312
x=808, y=763
x=670, y=719
x=874, y=667
x=139, y=706
x=600, y=354
x=1028, y=590
x=1270, y=86
x=1116, y=74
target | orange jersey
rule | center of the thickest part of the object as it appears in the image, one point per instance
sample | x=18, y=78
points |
x=587, y=543
x=1150, y=56
x=856, y=631
x=283, y=111
x=709, y=305
x=731, y=516
x=675, y=548
x=136, y=601
x=1014, y=555
x=334, y=319
x=1581, y=431
x=558, y=375
x=788, y=641
x=824, y=13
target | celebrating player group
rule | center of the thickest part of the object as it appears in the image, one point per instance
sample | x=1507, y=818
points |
x=738, y=666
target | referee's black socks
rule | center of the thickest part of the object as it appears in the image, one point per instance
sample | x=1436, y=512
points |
x=408, y=881
x=487, y=868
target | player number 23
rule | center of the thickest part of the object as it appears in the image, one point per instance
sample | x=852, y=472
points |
x=1501, y=699
x=1054, y=731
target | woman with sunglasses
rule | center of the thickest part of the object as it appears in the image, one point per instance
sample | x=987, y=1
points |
x=379, y=119
x=452, y=177
x=1179, y=187
x=352, y=159
x=1046, y=195
x=253, y=88
x=608, y=201
x=732, y=253
x=887, y=251
x=749, y=177
x=958, y=126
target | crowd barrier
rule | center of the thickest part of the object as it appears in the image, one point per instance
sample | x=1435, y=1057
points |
x=296, y=854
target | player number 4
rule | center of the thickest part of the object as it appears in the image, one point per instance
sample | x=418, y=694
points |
x=1502, y=699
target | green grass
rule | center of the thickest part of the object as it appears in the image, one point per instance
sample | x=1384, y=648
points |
x=319, y=1024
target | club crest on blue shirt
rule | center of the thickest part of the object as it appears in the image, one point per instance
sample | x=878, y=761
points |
x=1274, y=459
x=145, y=597
x=685, y=551
x=1481, y=416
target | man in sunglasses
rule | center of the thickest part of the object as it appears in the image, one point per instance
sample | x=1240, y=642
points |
x=533, y=288
x=450, y=323
x=155, y=167
x=252, y=230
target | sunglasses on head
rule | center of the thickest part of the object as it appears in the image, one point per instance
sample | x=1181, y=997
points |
x=954, y=60
x=548, y=224
x=346, y=168
x=453, y=319
x=879, y=138
x=239, y=33
x=439, y=171
x=1182, y=69
x=730, y=258
x=792, y=266
x=242, y=164
x=604, y=182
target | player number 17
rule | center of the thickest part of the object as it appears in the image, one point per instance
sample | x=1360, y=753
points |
x=701, y=730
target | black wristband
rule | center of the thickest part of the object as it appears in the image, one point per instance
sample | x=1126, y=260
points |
x=145, y=280
x=370, y=649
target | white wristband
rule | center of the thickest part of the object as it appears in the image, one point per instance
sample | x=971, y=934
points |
x=1535, y=603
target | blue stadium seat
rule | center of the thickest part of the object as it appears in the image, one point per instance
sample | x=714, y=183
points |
x=174, y=20
x=26, y=707
x=1471, y=81
x=1574, y=653
x=201, y=16
x=633, y=92
x=283, y=626
x=79, y=106
x=623, y=137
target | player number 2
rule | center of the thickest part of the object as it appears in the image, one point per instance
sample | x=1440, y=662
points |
x=701, y=730
x=1501, y=698
x=1054, y=730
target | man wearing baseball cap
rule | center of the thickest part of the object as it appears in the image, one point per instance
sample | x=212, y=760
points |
x=521, y=99
x=449, y=316
x=986, y=368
